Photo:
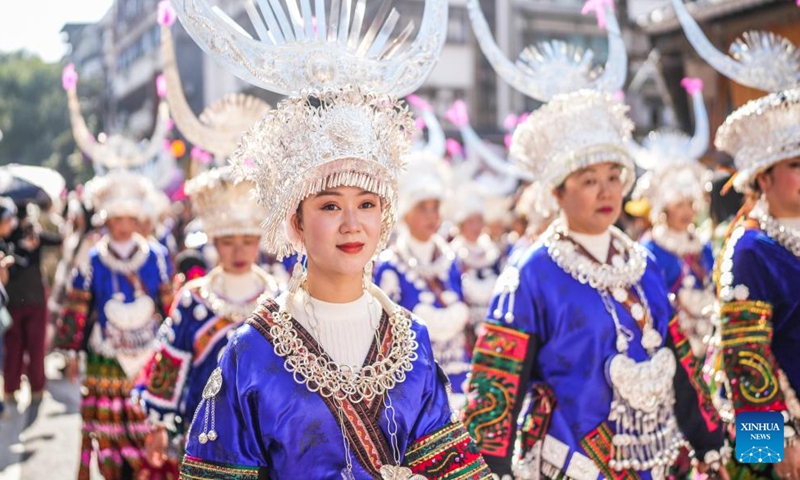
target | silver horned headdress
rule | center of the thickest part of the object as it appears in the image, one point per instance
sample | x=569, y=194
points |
x=551, y=68
x=764, y=131
x=148, y=157
x=219, y=127
x=226, y=207
x=322, y=140
x=300, y=48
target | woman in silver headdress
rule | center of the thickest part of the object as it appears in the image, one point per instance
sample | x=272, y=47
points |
x=576, y=376
x=757, y=271
x=331, y=379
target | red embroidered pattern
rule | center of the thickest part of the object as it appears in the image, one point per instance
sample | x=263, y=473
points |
x=494, y=387
x=597, y=445
x=447, y=453
x=71, y=325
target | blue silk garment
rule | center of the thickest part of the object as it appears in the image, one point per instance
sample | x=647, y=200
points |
x=758, y=287
x=268, y=424
x=438, y=301
x=553, y=341
x=676, y=268
x=190, y=343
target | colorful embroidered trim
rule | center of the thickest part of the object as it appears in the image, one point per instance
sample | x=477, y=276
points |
x=694, y=370
x=166, y=376
x=536, y=420
x=494, y=387
x=71, y=325
x=196, y=469
x=209, y=335
x=361, y=419
x=597, y=445
x=747, y=356
x=448, y=454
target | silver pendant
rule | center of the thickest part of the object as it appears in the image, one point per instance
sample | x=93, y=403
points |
x=396, y=472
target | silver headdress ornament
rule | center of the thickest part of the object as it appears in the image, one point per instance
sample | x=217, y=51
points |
x=118, y=193
x=436, y=144
x=426, y=177
x=671, y=159
x=320, y=48
x=148, y=157
x=322, y=140
x=764, y=131
x=219, y=127
x=574, y=131
x=225, y=207
x=555, y=67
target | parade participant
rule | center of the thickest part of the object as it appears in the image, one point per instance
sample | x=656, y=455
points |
x=585, y=309
x=332, y=379
x=112, y=313
x=206, y=310
x=757, y=270
x=674, y=188
x=419, y=271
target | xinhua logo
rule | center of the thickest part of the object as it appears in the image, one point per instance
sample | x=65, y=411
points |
x=759, y=437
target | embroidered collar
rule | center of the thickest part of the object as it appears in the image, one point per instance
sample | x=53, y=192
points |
x=208, y=291
x=679, y=244
x=428, y=269
x=476, y=256
x=124, y=266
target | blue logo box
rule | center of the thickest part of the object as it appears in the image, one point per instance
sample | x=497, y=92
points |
x=759, y=437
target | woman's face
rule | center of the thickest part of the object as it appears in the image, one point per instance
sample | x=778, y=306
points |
x=340, y=229
x=591, y=198
x=680, y=215
x=424, y=219
x=781, y=186
x=7, y=226
x=472, y=227
x=237, y=253
x=121, y=229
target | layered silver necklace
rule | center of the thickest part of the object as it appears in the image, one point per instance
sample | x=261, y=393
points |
x=646, y=432
x=787, y=237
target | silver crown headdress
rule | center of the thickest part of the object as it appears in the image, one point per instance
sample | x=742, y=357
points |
x=118, y=193
x=574, y=131
x=766, y=130
x=219, y=127
x=339, y=135
x=225, y=207
x=303, y=48
x=436, y=143
x=148, y=157
x=671, y=159
x=555, y=67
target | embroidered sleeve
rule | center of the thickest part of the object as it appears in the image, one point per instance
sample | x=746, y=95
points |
x=448, y=453
x=165, y=378
x=72, y=323
x=746, y=331
x=225, y=432
x=194, y=468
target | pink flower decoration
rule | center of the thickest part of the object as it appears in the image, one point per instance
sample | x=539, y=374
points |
x=170, y=124
x=161, y=86
x=200, y=156
x=692, y=85
x=619, y=96
x=419, y=122
x=166, y=14
x=419, y=102
x=249, y=163
x=510, y=122
x=69, y=77
x=454, y=149
x=507, y=140
x=522, y=118
x=599, y=9
x=458, y=114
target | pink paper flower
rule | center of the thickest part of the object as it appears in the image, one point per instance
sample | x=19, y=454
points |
x=510, y=122
x=418, y=102
x=166, y=14
x=458, y=114
x=454, y=149
x=692, y=85
x=161, y=86
x=598, y=7
x=69, y=77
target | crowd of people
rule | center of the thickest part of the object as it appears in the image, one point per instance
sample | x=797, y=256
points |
x=337, y=295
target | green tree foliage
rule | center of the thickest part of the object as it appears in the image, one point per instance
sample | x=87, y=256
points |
x=34, y=118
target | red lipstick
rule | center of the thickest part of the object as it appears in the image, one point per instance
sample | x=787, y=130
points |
x=351, y=247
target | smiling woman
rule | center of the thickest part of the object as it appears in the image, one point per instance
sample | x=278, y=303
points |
x=330, y=379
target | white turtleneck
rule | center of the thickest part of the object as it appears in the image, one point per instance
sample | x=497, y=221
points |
x=123, y=249
x=422, y=251
x=344, y=330
x=597, y=245
x=238, y=287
